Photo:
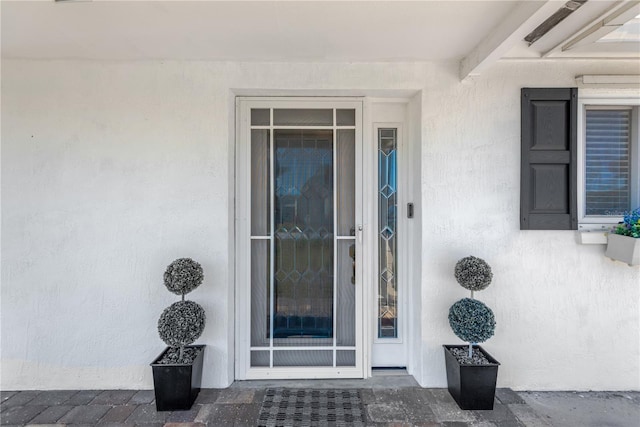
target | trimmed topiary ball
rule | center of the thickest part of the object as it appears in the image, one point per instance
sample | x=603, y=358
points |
x=183, y=275
x=181, y=323
x=471, y=320
x=473, y=273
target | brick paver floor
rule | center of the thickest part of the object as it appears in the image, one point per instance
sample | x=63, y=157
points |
x=234, y=406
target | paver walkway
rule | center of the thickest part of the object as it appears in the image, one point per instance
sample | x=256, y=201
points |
x=240, y=406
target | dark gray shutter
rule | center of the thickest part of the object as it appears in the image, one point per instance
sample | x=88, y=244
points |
x=548, y=194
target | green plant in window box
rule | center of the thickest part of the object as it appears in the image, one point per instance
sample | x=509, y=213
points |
x=630, y=226
x=623, y=243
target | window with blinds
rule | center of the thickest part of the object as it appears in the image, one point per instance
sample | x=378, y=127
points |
x=608, y=161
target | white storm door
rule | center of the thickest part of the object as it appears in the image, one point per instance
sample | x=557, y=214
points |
x=299, y=296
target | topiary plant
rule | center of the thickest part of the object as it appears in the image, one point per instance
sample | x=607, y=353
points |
x=182, y=322
x=471, y=320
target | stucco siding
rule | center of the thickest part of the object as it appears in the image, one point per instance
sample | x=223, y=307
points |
x=110, y=170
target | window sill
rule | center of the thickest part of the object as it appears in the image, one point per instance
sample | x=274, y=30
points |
x=592, y=237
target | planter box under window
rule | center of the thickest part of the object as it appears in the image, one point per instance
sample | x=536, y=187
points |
x=623, y=248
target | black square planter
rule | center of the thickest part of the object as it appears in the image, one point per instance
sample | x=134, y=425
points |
x=471, y=386
x=177, y=386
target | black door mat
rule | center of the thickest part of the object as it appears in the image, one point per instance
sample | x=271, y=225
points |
x=283, y=407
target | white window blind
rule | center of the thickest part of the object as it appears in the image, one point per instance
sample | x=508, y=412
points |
x=608, y=155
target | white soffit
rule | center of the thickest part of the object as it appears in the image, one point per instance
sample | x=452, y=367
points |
x=355, y=31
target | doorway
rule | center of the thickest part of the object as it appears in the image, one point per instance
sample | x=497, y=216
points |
x=321, y=233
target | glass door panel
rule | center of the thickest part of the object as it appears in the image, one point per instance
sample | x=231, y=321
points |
x=346, y=334
x=303, y=238
x=260, y=194
x=261, y=292
x=346, y=181
x=303, y=117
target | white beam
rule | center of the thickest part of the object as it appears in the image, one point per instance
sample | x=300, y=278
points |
x=521, y=21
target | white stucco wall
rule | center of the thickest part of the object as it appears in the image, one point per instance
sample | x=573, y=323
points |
x=110, y=170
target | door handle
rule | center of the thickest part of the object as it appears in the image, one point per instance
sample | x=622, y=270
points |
x=352, y=254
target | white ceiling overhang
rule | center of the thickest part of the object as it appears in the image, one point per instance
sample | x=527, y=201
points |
x=475, y=33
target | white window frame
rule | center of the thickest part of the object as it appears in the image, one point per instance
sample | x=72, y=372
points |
x=607, y=99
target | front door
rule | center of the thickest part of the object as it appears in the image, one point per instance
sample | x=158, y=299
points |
x=299, y=239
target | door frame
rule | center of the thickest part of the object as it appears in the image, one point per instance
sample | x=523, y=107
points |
x=363, y=207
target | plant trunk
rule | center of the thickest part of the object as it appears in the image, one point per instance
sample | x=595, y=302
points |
x=470, y=350
x=181, y=357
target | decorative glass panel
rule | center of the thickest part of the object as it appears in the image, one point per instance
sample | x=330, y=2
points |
x=303, y=237
x=387, y=234
x=608, y=174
